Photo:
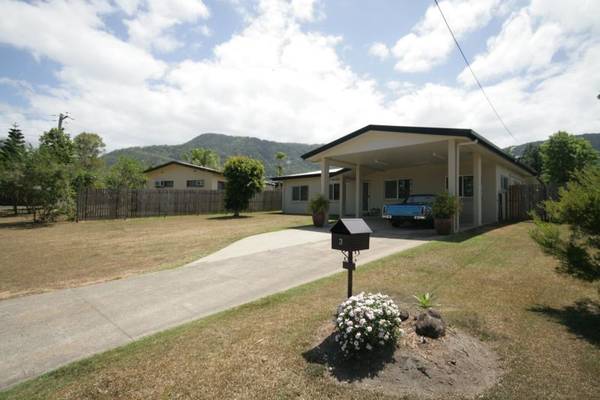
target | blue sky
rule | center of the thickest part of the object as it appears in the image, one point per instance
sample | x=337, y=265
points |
x=143, y=72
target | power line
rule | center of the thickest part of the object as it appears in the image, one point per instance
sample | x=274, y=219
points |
x=472, y=72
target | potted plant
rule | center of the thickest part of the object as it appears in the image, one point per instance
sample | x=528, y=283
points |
x=318, y=206
x=443, y=209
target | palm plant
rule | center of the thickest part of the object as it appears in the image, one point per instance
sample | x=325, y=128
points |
x=425, y=300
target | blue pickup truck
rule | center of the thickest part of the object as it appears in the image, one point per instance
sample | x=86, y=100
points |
x=416, y=208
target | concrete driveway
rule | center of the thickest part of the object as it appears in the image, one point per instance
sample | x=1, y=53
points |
x=39, y=333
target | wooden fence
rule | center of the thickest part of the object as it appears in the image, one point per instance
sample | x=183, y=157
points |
x=522, y=199
x=132, y=203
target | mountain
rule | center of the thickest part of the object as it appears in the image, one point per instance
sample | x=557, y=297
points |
x=225, y=146
x=517, y=151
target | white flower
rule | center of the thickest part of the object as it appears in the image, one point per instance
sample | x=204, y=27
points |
x=369, y=329
x=357, y=335
x=369, y=347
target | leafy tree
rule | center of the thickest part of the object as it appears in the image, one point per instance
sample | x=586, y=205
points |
x=578, y=208
x=58, y=145
x=203, y=157
x=12, y=157
x=532, y=157
x=280, y=156
x=14, y=145
x=126, y=173
x=563, y=155
x=245, y=178
x=46, y=186
x=88, y=148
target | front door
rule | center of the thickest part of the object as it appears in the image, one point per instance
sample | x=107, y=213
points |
x=365, y=196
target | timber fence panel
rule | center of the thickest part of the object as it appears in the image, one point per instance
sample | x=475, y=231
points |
x=131, y=203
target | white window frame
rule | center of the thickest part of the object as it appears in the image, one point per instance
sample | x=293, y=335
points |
x=331, y=193
x=461, y=186
x=397, y=184
x=201, y=183
x=300, y=193
x=160, y=184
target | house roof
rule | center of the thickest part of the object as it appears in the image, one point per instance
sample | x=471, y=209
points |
x=332, y=172
x=467, y=133
x=184, y=164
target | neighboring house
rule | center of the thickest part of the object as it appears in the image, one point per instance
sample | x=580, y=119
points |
x=381, y=164
x=182, y=175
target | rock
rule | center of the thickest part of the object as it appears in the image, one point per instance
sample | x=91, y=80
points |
x=404, y=315
x=430, y=324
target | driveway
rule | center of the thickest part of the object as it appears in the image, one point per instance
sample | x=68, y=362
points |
x=39, y=333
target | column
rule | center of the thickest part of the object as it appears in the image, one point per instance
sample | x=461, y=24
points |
x=477, y=220
x=452, y=176
x=342, y=203
x=325, y=182
x=357, y=192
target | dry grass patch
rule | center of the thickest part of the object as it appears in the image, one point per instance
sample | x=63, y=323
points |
x=497, y=285
x=66, y=254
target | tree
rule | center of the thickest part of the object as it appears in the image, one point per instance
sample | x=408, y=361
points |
x=563, y=155
x=126, y=173
x=280, y=156
x=245, y=178
x=14, y=145
x=579, y=208
x=532, y=157
x=88, y=147
x=12, y=156
x=203, y=157
x=47, y=188
x=58, y=145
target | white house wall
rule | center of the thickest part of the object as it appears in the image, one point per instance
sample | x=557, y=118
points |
x=314, y=188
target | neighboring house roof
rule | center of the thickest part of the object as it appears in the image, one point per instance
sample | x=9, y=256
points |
x=184, y=164
x=332, y=172
x=467, y=133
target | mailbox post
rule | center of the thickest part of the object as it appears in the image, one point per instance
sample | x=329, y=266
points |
x=350, y=235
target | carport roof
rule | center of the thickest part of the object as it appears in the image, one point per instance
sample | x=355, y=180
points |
x=467, y=133
x=332, y=172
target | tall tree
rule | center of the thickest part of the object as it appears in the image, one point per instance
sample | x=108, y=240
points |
x=14, y=145
x=563, y=155
x=12, y=157
x=58, y=145
x=280, y=156
x=245, y=177
x=532, y=157
x=203, y=157
x=126, y=173
x=88, y=148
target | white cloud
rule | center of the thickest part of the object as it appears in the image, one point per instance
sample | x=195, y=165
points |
x=273, y=80
x=429, y=43
x=150, y=28
x=379, y=50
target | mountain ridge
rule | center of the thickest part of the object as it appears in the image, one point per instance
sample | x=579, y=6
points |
x=225, y=146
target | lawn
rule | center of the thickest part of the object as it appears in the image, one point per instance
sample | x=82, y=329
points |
x=496, y=285
x=40, y=258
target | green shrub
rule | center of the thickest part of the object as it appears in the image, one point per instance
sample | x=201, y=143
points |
x=425, y=300
x=318, y=204
x=444, y=206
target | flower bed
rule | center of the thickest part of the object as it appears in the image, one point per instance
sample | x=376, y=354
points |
x=367, y=321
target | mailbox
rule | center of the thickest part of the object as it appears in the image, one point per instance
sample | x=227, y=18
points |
x=350, y=234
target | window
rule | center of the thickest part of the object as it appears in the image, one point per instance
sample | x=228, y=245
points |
x=391, y=190
x=465, y=185
x=300, y=193
x=334, y=191
x=397, y=189
x=220, y=185
x=163, y=184
x=197, y=183
x=504, y=183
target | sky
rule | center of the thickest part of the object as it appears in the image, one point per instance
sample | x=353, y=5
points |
x=143, y=72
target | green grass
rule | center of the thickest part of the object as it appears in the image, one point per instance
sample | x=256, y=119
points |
x=497, y=286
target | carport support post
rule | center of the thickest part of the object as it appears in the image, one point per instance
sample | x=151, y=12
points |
x=342, y=202
x=357, y=191
x=325, y=183
x=477, y=189
x=452, y=176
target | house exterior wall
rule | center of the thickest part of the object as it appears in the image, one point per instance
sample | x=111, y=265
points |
x=429, y=178
x=180, y=174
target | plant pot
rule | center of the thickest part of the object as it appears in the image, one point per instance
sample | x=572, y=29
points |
x=318, y=219
x=443, y=226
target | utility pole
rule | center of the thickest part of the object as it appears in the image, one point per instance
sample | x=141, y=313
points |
x=61, y=118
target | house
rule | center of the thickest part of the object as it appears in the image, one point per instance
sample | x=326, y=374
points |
x=382, y=164
x=181, y=175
